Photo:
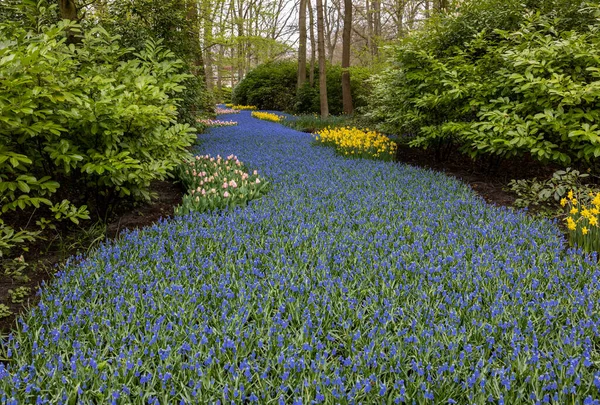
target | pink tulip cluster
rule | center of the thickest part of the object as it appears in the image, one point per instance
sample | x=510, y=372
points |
x=206, y=175
x=216, y=123
x=221, y=111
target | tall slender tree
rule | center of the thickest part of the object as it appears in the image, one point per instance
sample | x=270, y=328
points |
x=346, y=39
x=322, y=65
x=302, y=44
x=313, y=44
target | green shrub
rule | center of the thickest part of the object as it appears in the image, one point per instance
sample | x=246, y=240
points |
x=531, y=90
x=547, y=93
x=224, y=96
x=140, y=21
x=95, y=118
x=545, y=195
x=272, y=86
x=313, y=122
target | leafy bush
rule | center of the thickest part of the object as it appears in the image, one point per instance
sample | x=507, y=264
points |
x=545, y=195
x=272, y=86
x=214, y=183
x=225, y=95
x=530, y=90
x=93, y=118
x=314, y=123
x=138, y=21
x=268, y=86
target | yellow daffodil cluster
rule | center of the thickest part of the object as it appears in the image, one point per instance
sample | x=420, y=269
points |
x=582, y=221
x=241, y=107
x=356, y=142
x=267, y=116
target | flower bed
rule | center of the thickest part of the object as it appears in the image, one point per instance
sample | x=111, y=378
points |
x=265, y=116
x=214, y=183
x=240, y=107
x=354, y=142
x=351, y=281
x=216, y=123
x=583, y=223
x=223, y=111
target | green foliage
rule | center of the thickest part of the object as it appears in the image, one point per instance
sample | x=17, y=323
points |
x=224, y=95
x=19, y=294
x=272, y=86
x=545, y=195
x=97, y=118
x=139, y=21
x=532, y=90
x=4, y=311
x=314, y=123
x=15, y=268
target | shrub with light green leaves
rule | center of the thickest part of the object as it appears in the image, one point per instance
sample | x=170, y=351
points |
x=92, y=117
x=524, y=84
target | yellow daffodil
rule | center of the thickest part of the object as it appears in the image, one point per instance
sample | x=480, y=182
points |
x=584, y=230
x=571, y=224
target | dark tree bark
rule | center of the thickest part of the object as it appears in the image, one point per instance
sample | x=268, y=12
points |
x=376, y=26
x=369, y=27
x=346, y=38
x=313, y=44
x=322, y=67
x=302, y=44
x=68, y=11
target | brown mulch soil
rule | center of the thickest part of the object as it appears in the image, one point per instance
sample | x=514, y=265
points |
x=489, y=181
x=44, y=264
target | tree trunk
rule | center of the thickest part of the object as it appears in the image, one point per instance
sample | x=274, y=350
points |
x=400, y=18
x=240, y=34
x=68, y=11
x=322, y=68
x=376, y=26
x=208, y=28
x=369, y=27
x=347, y=36
x=313, y=44
x=219, y=73
x=302, y=45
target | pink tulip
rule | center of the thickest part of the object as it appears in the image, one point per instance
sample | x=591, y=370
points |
x=225, y=194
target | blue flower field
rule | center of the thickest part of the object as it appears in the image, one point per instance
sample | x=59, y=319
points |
x=351, y=281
